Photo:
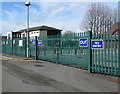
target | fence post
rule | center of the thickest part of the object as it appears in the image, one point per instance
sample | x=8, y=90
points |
x=5, y=47
x=25, y=46
x=60, y=44
x=118, y=54
x=89, y=52
x=36, y=47
x=12, y=45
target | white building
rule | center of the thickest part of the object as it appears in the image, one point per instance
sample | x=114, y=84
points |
x=34, y=31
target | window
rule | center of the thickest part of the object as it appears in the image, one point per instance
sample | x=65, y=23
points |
x=8, y=36
x=23, y=35
x=18, y=36
x=14, y=35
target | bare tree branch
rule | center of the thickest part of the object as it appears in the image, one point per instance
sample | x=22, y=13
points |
x=99, y=18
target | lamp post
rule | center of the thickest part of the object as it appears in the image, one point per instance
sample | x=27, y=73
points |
x=27, y=4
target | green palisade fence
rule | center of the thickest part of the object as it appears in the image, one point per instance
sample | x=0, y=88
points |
x=105, y=60
x=65, y=49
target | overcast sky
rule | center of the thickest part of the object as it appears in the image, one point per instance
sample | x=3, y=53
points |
x=61, y=15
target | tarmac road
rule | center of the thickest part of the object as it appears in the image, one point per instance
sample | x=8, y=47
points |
x=42, y=76
x=32, y=79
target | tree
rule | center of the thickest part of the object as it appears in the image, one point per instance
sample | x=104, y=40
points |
x=99, y=18
x=69, y=34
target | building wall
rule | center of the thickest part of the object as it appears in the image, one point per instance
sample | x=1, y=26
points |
x=37, y=33
x=43, y=33
x=9, y=33
x=34, y=33
x=23, y=33
x=53, y=32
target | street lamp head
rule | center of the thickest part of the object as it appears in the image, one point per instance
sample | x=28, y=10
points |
x=27, y=3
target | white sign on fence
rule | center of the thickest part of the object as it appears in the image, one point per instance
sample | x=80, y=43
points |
x=13, y=41
x=6, y=42
x=20, y=43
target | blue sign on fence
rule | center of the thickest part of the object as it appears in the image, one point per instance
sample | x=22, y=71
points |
x=39, y=42
x=97, y=44
x=33, y=42
x=83, y=42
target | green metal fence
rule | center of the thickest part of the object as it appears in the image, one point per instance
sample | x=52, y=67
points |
x=19, y=46
x=106, y=60
x=64, y=50
x=31, y=51
x=14, y=46
x=67, y=50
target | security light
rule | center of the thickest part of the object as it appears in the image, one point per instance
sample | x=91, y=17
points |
x=27, y=3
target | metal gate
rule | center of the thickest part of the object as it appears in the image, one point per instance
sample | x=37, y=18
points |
x=64, y=49
x=106, y=60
